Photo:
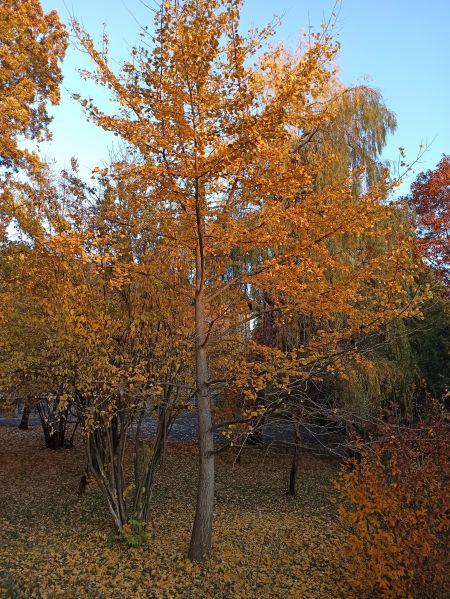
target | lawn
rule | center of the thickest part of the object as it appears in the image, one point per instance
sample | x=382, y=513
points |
x=55, y=543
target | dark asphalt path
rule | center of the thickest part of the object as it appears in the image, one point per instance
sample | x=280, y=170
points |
x=185, y=428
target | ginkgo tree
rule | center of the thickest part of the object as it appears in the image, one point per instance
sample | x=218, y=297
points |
x=210, y=119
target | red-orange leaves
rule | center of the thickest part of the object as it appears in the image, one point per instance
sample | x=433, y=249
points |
x=430, y=198
x=395, y=506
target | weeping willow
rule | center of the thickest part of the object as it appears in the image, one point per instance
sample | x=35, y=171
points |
x=384, y=368
x=354, y=137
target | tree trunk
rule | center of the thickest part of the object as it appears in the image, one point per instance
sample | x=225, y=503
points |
x=200, y=546
x=146, y=483
x=106, y=466
x=25, y=417
x=292, y=489
x=53, y=423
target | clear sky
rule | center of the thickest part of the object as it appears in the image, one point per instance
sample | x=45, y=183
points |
x=401, y=47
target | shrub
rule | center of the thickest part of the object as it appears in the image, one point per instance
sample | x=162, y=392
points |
x=134, y=533
x=394, y=505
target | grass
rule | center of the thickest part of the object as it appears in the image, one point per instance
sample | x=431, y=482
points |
x=56, y=544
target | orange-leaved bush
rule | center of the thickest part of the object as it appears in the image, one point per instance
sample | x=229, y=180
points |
x=394, y=505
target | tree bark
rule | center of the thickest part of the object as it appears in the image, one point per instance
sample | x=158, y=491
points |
x=200, y=546
x=53, y=423
x=292, y=489
x=25, y=417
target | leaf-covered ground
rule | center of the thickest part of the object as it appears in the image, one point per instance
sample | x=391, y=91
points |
x=56, y=544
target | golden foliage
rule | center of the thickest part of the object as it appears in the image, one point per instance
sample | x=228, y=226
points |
x=32, y=46
x=221, y=190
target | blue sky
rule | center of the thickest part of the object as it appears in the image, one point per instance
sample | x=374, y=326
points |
x=401, y=47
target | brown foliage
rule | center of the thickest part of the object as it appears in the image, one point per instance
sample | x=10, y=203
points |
x=395, y=506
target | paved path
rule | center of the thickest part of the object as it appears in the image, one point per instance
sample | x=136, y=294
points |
x=185, y=428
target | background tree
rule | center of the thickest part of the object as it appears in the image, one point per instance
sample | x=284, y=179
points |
x=32, y=46
x=35, y=343
x=351, y=141
x=430, y=200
